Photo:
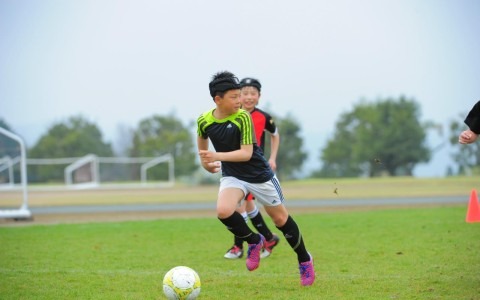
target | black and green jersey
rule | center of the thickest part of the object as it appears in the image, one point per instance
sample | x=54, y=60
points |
x=227, y=135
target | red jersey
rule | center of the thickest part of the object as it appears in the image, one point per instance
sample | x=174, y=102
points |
x=262, y=122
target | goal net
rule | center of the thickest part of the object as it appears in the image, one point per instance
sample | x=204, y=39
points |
x=93, y=171
x=13, y=202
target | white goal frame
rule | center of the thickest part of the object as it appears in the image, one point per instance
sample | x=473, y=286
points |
x=74, y=163
x=94, y=173
x=23, y=212
x=6, y=163
x=149, y=164
x=95, y=161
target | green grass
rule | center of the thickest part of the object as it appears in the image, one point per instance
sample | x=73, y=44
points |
x=423, y=253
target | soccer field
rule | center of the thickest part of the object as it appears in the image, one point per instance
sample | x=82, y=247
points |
x=410, y=253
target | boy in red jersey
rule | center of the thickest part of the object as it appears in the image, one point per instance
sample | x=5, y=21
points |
x=262, y=122
x=244, y=170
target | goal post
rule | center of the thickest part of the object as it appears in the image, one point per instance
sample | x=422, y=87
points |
x=23, y=212
x=168, y=158
x=6, y=164
x=88, y=178
x=92, y=171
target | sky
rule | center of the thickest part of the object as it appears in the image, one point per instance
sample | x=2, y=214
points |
x=118, y=62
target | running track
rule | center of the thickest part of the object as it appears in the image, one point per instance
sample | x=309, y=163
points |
x=327, y=203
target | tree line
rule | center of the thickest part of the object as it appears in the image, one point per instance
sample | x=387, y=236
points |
x=381, y=138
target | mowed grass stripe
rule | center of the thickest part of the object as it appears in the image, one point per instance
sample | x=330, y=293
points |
x=422, y=253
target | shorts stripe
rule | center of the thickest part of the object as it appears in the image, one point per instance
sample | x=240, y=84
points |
x=268, y=193
x=276, y=184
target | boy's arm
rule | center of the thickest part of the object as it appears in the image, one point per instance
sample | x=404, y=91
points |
x=274, y=145
x=212, y=167
x=243, y=154
x=202, y=143
x=210, y=160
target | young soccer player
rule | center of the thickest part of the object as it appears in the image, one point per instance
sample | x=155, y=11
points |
x=473, y=122
x=244, y=169
x=262, y=122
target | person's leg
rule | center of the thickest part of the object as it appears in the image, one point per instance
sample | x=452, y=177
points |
x=285, y=223
x=227, y=214
x=256, y=217
x=228, y=197
x=291, y=232
x=236, y=251
x=271, y=196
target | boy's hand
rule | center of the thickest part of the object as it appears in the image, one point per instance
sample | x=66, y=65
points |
x=467, y=137
x=273, y=164
x=206, y=156
x=213, y=167
x=208, y=161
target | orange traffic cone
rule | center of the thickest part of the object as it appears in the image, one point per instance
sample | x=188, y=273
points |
x=473, y=211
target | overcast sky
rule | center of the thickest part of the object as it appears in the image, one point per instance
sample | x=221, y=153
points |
x=117, y=62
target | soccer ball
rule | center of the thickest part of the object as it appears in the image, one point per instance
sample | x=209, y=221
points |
x=181, y=283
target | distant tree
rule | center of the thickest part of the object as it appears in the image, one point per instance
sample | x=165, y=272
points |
x=467, y=157
x=382, y=138
x=291, y=155
x=74, y=138
x=159, y=135
x=123, y=142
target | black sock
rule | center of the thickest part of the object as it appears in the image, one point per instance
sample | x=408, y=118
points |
x=261, y=227
x=294, y=238
x=238, y=242
x=236, y=225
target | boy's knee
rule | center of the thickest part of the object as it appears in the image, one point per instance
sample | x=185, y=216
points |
x=223, y=213
x=280, y=220
x=278, y=214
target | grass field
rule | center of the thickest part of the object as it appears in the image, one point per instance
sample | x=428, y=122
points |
x=415, y=253
x=386, y=253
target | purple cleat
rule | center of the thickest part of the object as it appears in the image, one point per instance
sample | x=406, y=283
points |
x=253, y=254
x=307, y=273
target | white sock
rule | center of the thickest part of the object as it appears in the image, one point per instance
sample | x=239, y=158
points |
x=252, y=214
x=245, y=216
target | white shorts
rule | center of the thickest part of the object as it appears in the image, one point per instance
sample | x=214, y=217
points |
x=268, y=193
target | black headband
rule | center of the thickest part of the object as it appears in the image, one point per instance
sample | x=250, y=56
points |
x=251, y=82
x=223, y=85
